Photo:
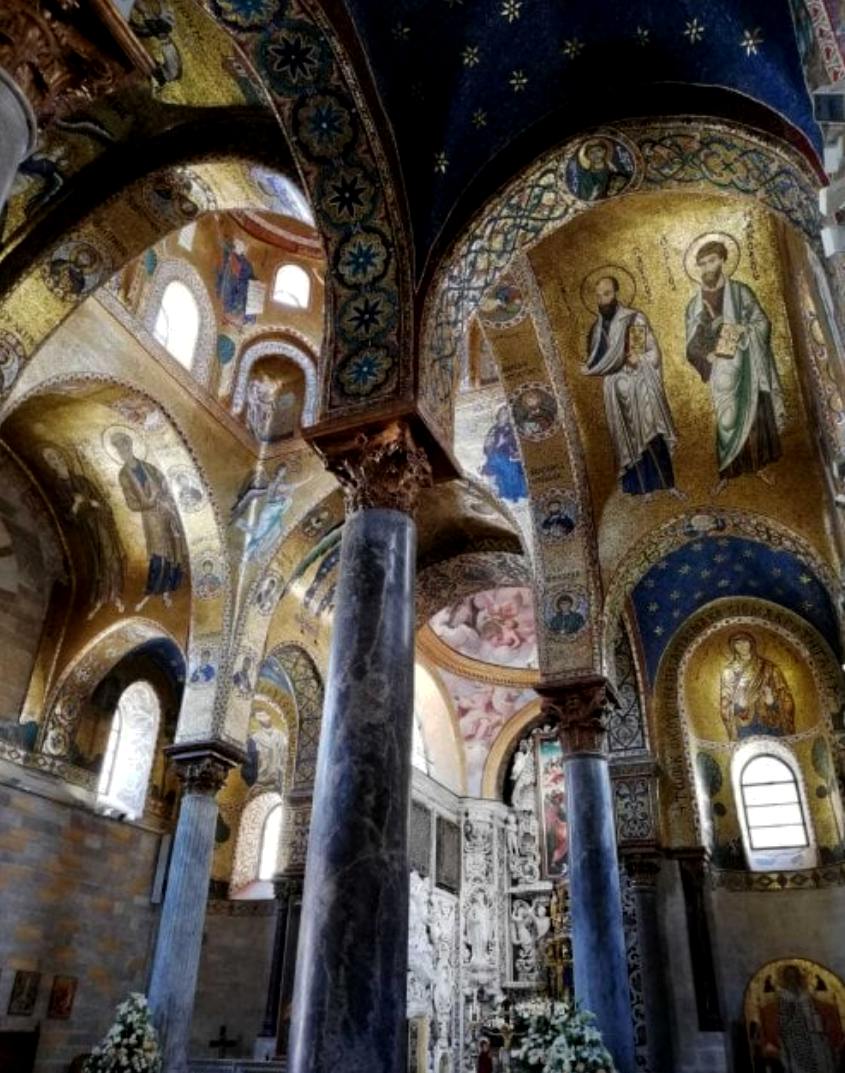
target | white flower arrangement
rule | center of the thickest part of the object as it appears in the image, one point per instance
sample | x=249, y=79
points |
x=130, y=1045
x=559, y=1039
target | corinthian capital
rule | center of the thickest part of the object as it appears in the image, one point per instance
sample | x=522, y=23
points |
x=61, y=53
x=203, y=766
x=380, y=469
x=580, y=708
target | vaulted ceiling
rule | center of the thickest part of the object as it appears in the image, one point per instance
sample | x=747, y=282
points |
x=473, y=89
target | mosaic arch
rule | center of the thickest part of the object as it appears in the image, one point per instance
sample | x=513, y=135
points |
x=693, y=155
x=278, y=346
x=567, y=583
x=125, y=407
x=755, y=538
x=213, y=76
x=297, y=536
x=301, y=65
x=82, y=674
x=692, y=720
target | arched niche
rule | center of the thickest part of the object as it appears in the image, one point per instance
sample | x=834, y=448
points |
x=68, y=429
x=745, y=672
x=661, y=155
x=282, y=367
x=281, y=745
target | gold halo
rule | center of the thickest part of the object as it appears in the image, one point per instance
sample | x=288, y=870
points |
x=691, y=268
x=608, y=143
x=139, y=447
x=627, y=286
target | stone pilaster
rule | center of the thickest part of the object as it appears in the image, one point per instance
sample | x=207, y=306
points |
x=202, y=768
x=349, y=995
x=580, y=708
x=286, y=890
x=643, y=871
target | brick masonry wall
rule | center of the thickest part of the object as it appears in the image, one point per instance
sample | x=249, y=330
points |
x=74, y=901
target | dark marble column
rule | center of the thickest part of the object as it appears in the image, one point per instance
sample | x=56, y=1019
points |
x=284, y=889
x=598, y=939
x=202, y=768
x=349, y=994
x=643, y=870
x=288, y=969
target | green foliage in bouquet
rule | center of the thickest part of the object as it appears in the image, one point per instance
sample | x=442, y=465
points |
x=561, y=1039
x=130, y=1045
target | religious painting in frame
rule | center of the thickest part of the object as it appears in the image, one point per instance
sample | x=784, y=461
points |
x=62, y=994
x=551, y=807
x=24, y=993
x=795, y=1008
x=448, y=855
x=418, y=1045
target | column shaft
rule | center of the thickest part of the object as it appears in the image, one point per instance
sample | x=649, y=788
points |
x=349, y=994
x=174, y=976
x=598, y=939
x=173, y=979
x=643, y=873
x=274, y=985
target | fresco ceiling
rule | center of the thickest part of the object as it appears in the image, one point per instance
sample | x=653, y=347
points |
x=461, y=82
x=496, y=626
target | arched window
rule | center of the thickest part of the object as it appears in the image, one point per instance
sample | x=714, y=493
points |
x=292, y=287
x=177, y=322
x=257, y=846
x=129, y=753
x=270, y=834
x=775, y=823
x=107, y=770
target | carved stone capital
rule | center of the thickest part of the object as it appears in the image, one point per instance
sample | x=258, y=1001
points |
x=287, y=888
x=62, y=53
x=580, y=708
x=380, y=469
x=643, y=870
x=202, y=767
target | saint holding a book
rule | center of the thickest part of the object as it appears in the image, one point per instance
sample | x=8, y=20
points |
x=728, y=339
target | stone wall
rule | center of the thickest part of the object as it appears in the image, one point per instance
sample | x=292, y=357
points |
x=74, y=901
x=233, y=976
